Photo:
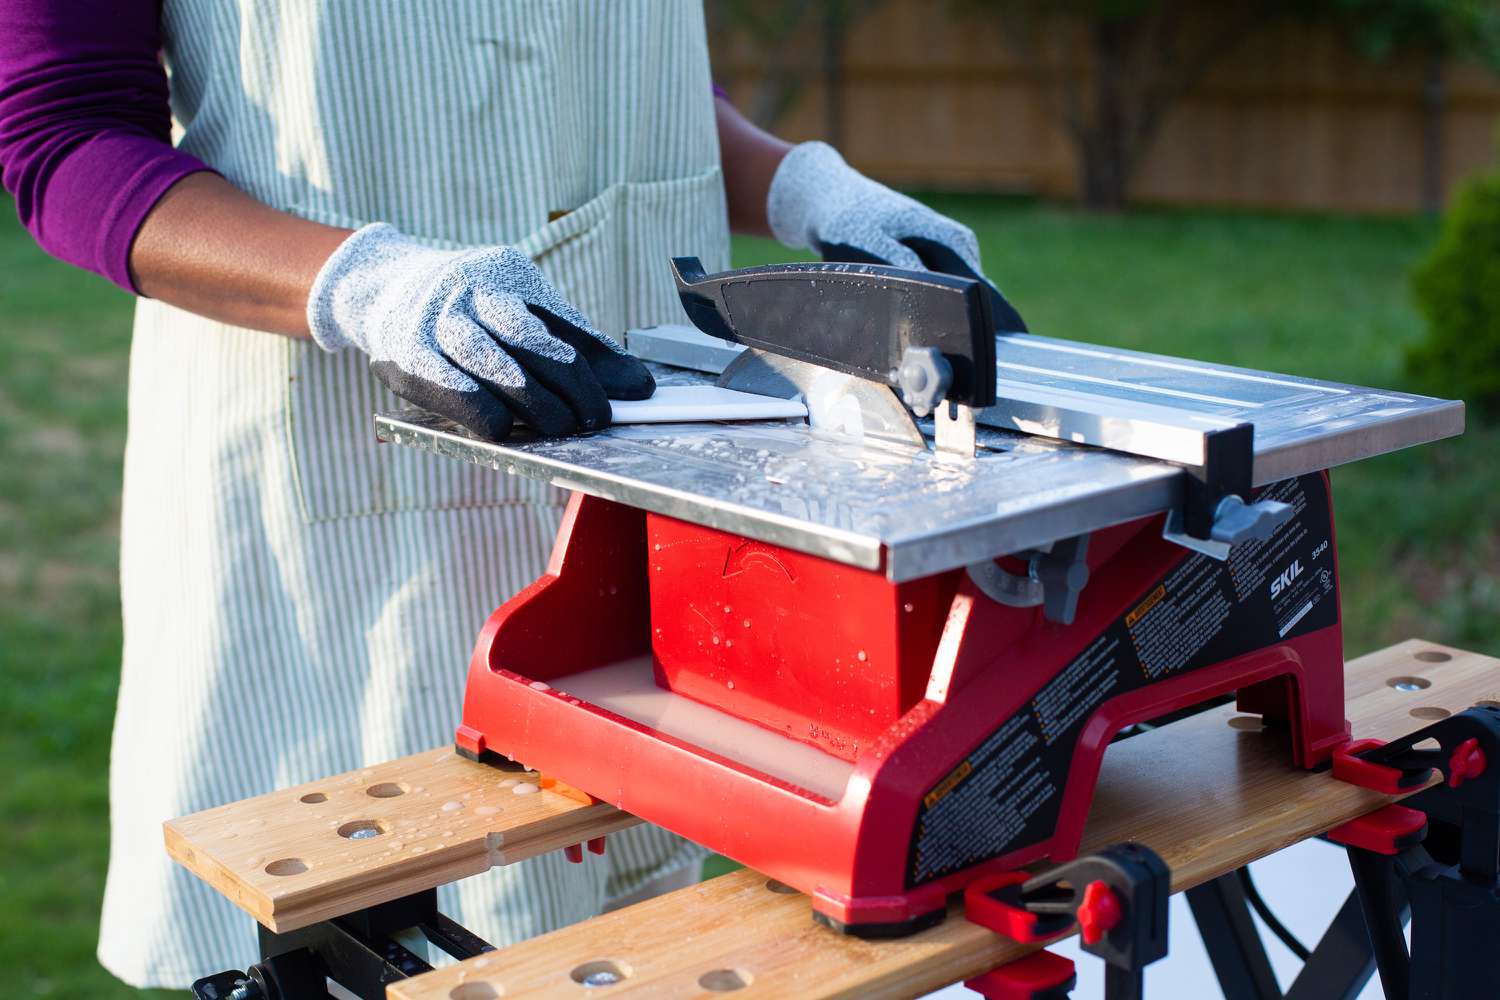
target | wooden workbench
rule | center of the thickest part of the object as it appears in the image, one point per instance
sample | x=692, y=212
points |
x=1209, y=794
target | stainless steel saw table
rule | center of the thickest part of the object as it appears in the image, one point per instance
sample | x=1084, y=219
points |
x=909, y=513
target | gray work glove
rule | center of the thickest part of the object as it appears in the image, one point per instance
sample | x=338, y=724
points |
x=478, y=336
x=818, y=201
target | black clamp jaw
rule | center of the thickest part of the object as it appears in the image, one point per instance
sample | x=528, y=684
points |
x=1447, y=870
x=1117, y=899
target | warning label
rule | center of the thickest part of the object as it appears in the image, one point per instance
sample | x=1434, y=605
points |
x=1191, y=611
x=1006, y=793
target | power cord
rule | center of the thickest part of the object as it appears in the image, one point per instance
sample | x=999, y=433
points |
x=1258, y=904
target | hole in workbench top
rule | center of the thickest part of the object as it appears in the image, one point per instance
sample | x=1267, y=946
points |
x=474, y=991
x=601, y=972
x=1433, y=656
x=1429, y=712
x=286, y=866
x=780, y=887
x=724, y=980
x=1487, y=704
x=313, y=798
x=1409, y=683
x=386, y=790
x=362, y=829
x=1247, y=723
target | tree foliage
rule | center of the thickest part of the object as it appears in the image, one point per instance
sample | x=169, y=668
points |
x=1453, y=28
x=795, y=41
x=1437, y=31
x=1458, y=290
x=1112, y=70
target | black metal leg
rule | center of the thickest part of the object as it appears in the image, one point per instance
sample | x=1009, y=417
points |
x=1343, y=961
x=1455, y=934
x=1233, y=943
x=1124, y=984
x=454, y=939
x=359, y=951
x=1382, y=902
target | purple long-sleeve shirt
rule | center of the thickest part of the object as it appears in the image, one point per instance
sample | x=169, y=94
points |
x=85, y=127
x=85, y=130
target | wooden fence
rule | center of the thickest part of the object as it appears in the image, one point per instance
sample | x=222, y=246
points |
x=1291, y=118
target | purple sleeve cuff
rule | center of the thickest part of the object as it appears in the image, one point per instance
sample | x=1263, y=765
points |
x=721, y=92
x=96, y=199
x=85, y=129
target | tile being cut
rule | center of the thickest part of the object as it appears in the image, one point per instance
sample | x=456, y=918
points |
x=677, y=404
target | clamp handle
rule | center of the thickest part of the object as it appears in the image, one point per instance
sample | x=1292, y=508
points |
x=867, y=320
x=1117, y=898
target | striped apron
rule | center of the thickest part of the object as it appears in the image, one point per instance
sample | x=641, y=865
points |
x=297, y=600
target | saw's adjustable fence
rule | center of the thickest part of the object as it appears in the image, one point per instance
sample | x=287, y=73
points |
x=341, y=873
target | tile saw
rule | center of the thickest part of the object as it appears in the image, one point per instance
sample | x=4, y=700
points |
x=878, y=653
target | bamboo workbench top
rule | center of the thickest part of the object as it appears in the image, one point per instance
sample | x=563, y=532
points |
x=330, y=847
x=1209, y=794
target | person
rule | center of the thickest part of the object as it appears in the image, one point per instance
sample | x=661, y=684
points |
x=464, y=205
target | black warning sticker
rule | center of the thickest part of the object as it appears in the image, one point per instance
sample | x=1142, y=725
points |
x=1006, y=793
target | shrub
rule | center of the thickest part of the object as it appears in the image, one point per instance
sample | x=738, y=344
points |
x=1458, y=291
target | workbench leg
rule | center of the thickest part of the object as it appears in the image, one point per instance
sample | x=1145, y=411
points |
x=1455, y=933
x=1342, y=961
x=1383, y=901
x=1124, y=984
x=359, y=952
x=1232, y=941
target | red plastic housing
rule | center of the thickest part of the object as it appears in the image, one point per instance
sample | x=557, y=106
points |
x=903, y=683
x=829, y=654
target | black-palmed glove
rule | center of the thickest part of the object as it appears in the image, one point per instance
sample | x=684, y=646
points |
x=479, y=336
x=816, y=200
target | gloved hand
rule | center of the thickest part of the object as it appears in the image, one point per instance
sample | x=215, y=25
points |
x=817, y=200
x=479, y=336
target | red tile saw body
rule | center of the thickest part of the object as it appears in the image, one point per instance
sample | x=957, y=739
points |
x=903, y=680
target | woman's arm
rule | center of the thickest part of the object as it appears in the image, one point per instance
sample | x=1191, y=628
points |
x=806, y=196
x=750, y=156
x=211, y=249
x=85, y=148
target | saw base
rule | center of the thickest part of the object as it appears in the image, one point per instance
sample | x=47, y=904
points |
x=881, y=745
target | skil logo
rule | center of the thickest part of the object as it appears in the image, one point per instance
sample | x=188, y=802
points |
x=1287, y=576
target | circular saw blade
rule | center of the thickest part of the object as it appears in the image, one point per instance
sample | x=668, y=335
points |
x=842, y=404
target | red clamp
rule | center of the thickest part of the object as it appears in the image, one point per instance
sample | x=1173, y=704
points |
x=1039, y=976
x=1367, y=774
x=1468, y=761
x=994, y=902
x=1388, y=830
x=1099, y=913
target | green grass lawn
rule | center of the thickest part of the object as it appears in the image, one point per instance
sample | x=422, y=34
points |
x=1322, y=297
